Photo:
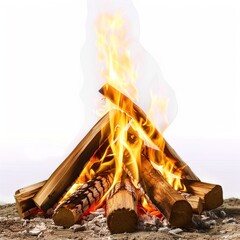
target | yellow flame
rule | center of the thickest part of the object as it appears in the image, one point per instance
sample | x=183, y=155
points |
x=114, y=53
x=118, y=70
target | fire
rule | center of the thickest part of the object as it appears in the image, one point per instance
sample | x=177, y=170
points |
x=118, y=70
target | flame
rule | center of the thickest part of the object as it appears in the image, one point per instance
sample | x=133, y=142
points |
x=124, y=149
x=147, y=207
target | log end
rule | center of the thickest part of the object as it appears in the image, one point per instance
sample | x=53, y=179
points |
x=122, y=220
x=181, y=214
x=65, y=217
x=214, y=198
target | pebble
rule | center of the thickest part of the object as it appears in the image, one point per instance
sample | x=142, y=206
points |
x=212, y=222
x=204, y=218
x=35, y=232
x=78, y=228
x=25, y=223
x=176, y=231
x=222, y=214
x=24, y=232
x=163, y=229
x=229, y=220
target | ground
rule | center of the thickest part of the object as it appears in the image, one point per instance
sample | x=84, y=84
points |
x=222, y=223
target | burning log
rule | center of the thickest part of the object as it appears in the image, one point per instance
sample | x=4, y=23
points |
x=172, y=204
x=70, y=168
x=135, y=112
x=24, y=199
x=70, y=210
x=211, y=194
x=121, y=208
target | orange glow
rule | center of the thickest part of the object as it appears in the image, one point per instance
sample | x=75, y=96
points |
x=147, y=207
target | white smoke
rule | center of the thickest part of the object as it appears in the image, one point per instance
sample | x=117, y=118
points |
x=149, y=77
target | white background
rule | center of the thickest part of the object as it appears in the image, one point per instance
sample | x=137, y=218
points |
x=197, y=44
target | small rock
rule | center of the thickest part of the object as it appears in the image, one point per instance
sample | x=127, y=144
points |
x=223, y=231
x=35, y=232
x=199, y=223
x=211, y=214
x=229, y=220
x=212, y=222
x=176, y=231
x=222, y=214
x=24, y=232
x=204, y=218
x=163, y=229
x=78, y=228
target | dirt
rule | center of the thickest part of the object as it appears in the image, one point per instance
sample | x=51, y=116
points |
x=221, y=223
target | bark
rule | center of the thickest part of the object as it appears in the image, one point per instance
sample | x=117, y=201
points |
x=121, y=208
x=71, y=167
x=24, y=199
x=69, y=211
x=211, y=194
x=172, y=204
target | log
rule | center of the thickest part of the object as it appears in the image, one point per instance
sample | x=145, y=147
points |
x=24, y=199
x=121, y=208
x=172, y=204
x=62, y=178
x=70, y=210
x=196, y=203
x=211, y=194
x=136, y=113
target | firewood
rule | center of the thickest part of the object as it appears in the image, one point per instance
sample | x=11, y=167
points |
x=135, y=112
x=69, y=170
x=121, y=207
x=211, y=194
x=172, y=204
x=69, y=211
x=196, y=203
x=24, y=199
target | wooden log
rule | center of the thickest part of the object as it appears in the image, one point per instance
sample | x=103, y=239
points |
x=172, y=204
x=24, y=199
x=62, y=178
x=196, y=203
x=121, y=208
x=69, y=211
x=211, y=194
x=136, y=113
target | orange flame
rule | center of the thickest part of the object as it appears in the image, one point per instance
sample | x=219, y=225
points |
x=118, y=70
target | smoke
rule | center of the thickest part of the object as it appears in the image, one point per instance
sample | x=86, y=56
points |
x=150, y=83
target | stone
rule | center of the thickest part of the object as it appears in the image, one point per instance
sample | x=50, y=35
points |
x=229, y=220
x=175, y=231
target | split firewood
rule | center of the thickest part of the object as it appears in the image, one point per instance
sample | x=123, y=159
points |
x=121, y=207
x=70, y=210
x=173, y=205
x=24, y=199
x=69, y=170
x=136, y=113
x=211, y=194
x=195, y=202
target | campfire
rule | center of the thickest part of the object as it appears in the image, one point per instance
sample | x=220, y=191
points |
x=135, y=176
x=123, y=164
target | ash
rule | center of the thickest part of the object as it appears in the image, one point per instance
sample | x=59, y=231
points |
x=222, y=223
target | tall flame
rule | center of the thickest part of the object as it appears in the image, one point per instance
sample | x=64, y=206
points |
x=118, y=70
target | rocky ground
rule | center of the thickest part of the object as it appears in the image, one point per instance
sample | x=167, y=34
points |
x=222, y=223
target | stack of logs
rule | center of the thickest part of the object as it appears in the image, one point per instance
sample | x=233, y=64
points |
x=122, y=200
